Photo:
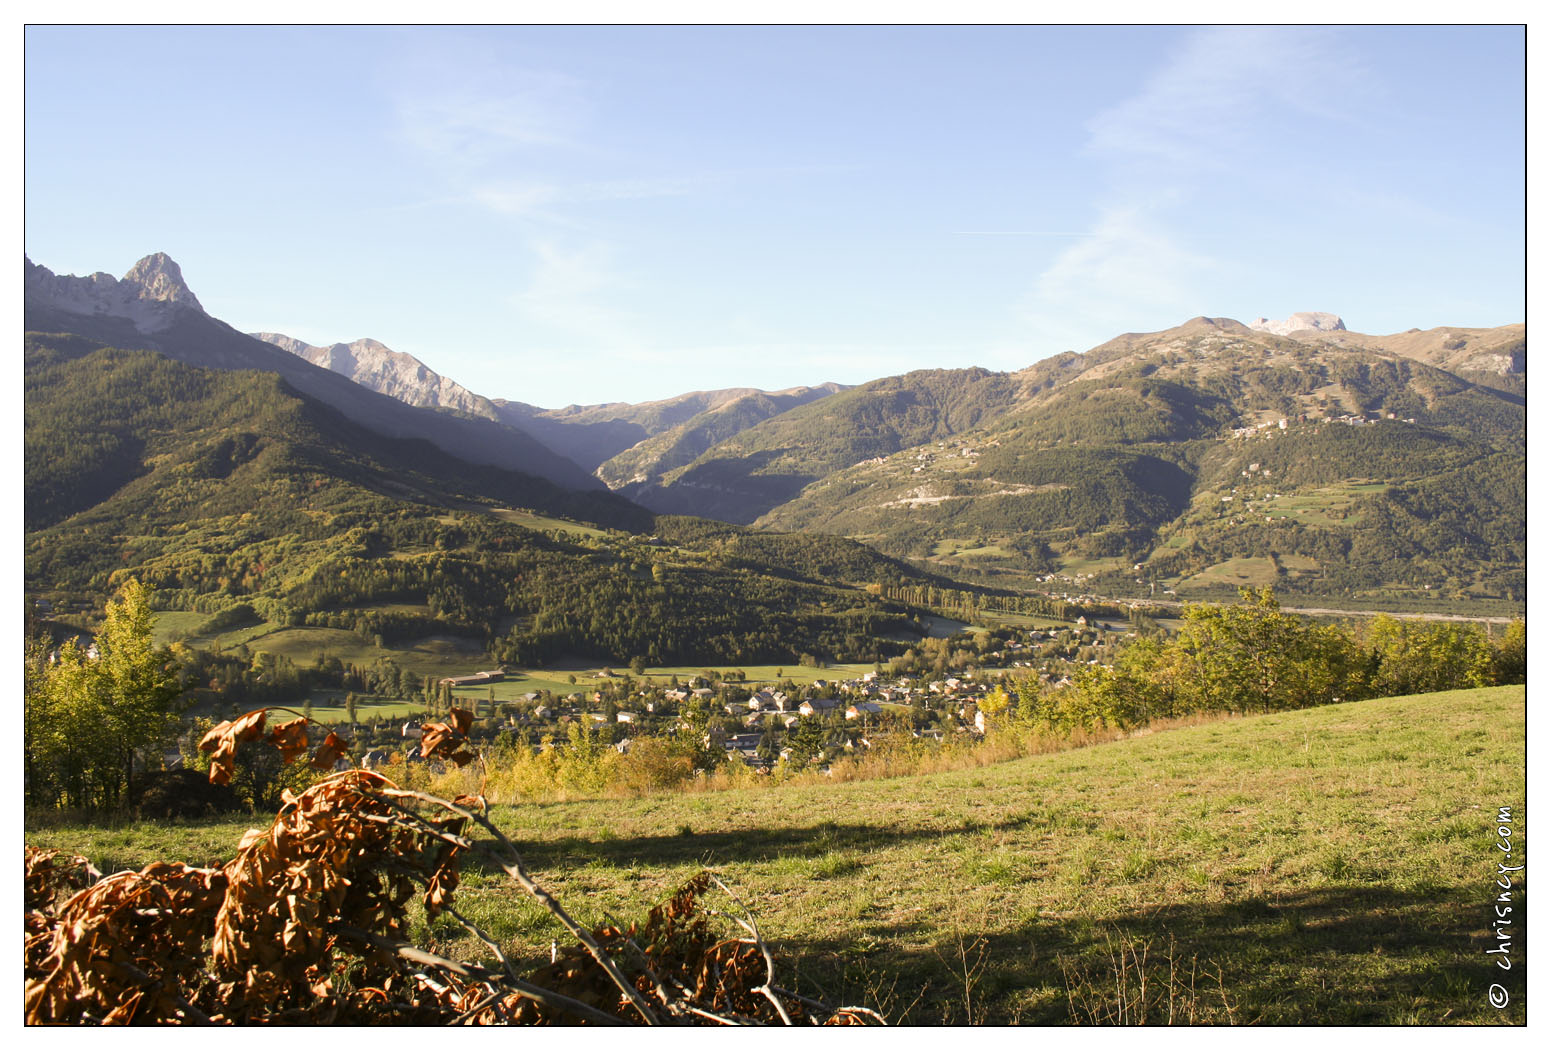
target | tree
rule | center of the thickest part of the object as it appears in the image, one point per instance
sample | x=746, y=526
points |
x=96, y=712
x=1412, y=658
x=1511, y=659
x=1255, y=657
x=806, y=742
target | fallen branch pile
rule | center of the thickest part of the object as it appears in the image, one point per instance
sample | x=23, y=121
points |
x=309, y=924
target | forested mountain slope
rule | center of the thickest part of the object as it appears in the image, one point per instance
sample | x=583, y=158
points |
x=228, y=489
x=152, y=309
x=1337, y=467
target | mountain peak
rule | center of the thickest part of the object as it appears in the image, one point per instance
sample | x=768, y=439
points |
x=150, y=295
x=159, y=278
x=1317, y=320
x=387, y=371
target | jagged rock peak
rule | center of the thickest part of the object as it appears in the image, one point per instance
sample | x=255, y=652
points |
x=386, y=371
x=1307, y=319
x=160, y=278
x=151, y=294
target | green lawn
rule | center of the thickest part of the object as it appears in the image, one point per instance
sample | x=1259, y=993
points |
x=1329, y=866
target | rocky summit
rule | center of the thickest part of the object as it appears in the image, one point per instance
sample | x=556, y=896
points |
x=150, y=295
x=387, y=371
x=1316, y=320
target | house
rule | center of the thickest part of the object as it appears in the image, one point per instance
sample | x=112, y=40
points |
x=818, y=706
x=862, y=708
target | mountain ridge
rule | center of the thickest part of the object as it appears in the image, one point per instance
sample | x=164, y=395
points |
x=151, y=309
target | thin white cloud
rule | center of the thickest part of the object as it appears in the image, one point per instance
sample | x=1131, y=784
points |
x=569, y=290
x=1023, y=233
x=468, y=118
x=1206, y=115
x=546, y=201
x=1129, y=268
x=1219, y=95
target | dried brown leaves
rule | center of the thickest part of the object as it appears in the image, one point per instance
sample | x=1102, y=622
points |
x=308, y=924
x=448, y=740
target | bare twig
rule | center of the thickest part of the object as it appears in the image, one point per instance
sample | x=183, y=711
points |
x=513, y=867
x=646, y=962
x=548, y=998
x=488, y=941
x=753, y=929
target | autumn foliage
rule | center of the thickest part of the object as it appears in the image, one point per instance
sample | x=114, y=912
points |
x=309, y=924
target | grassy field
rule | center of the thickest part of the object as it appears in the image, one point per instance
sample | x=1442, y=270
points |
x=557, y=678
x=543, y=523
x=1239, y=572
x=1328, y=866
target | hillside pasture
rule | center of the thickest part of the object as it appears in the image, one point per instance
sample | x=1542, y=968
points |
x=1235, y=572
x=1327, y=866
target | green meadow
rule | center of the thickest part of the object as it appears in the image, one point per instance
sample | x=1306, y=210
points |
x=1327, y=866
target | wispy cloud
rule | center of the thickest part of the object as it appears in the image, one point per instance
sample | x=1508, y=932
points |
x=1218, y=96
x=1023, y=233
x=547, y=200
x=467, y=117
x=570, y=290
x=1209, y=114
x=1129, y=268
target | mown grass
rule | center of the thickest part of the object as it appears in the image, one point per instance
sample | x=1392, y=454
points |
x=1327, y=866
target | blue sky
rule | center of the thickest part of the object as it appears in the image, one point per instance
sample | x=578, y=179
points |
x=582, y=215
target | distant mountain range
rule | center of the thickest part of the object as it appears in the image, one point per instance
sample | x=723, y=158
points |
x=628, y=446
x=1293, y=452
x=152, y=309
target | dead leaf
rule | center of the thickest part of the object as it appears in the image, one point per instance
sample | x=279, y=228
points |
x=329, y=752
x=291, y=739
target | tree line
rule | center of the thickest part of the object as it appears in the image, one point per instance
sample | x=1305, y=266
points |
x=1254, y=657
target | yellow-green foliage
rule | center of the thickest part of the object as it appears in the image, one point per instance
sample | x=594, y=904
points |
x=1254, y=657
x=91, y=719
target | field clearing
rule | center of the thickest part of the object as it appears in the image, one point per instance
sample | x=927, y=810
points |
x=1075, y=566
x=438, y=655
x=1328, y=866
x=1326, y=506
x=180, y=626
x=543, y=523
x=331, y=709
x=1246, y=572
x=557, y=680
x=997, y=618
x=969, y=549
x=170, y=626
x=1299, y=563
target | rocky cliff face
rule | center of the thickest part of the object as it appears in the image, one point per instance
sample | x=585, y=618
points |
x=1306, y=319
x=386, y=371
x=151, y=295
